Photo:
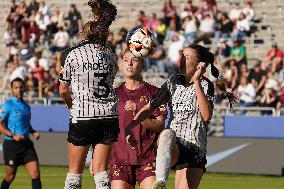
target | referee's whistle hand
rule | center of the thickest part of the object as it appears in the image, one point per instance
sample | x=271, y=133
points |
x=18, y=137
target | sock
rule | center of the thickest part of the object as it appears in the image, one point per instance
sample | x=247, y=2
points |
x=167, y=140
x=102, y=180
x=5, y=184
x=36, y=183
x=73, y=181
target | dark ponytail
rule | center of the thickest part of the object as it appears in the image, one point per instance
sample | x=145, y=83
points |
x=104, y=13
x=203, y=55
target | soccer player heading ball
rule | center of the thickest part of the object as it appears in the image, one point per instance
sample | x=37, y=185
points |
x=90, y=68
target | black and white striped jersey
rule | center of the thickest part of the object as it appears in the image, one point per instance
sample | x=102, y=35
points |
x=185, y=120
x=90, y=69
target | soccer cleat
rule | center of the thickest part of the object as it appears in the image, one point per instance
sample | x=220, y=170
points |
x=160, y=184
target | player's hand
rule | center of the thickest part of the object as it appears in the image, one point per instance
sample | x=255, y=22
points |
x=131, y=140
x=199, y=72
x=18, y=137
x=131, y=106
x=129, y=136
x=36, y=135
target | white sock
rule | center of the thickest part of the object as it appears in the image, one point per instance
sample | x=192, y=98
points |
x=167, y=140
x=102, y=180
x=73, y=181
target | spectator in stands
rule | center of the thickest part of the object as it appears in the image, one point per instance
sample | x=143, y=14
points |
x=169, y=11
x=248, y=10
x=157, y=59
x=44, y=9
x=60, y=41
x=190, y=8
x=257, y=77
x=161, y=30
x=31, y=86
x=235, y=12
x=74, y=21
x=142, y=19
x=38, y=71
x=225, y=27
x=207, y=29
x=243, y=26
x=57, y=17
x=238, y=52
x=280, y=103
x=19, y=71
x=244, y=71
x=213, y=5
x=231, y=74
x=247, y=93
x=43, y=62
x=153, y=22
x=204, y=10
x=271, y=82
x=22, y=8
x=42, y=21
x=273, y=59
x=10, y=36
x=31, y=33
x=269, y=98
x=13, y=6
x=190, y=28
x=173, y=53
x=223, y=50
x=33, y=6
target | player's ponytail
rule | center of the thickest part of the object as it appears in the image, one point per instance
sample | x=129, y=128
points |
x=104, y=13
x=207, y=57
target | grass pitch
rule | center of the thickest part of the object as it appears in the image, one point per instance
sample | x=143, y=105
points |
x=54, y=177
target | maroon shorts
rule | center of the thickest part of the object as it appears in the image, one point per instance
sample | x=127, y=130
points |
x=132, y=173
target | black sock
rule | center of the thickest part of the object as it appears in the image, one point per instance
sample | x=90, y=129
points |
x=5, y=184
x=36, y=183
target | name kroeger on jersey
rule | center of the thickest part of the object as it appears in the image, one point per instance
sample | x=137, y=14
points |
x=185, y=119
x=90, y=69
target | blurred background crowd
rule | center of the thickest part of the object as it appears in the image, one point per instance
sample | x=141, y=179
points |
x=37, y=33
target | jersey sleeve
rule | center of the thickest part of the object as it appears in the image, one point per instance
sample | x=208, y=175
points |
x=65, y=71
x=161, y=97
x=4, y=112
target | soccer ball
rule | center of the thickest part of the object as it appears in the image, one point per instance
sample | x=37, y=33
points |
x=141, y=42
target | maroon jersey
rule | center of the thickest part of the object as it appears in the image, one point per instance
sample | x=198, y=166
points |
x=144, y=152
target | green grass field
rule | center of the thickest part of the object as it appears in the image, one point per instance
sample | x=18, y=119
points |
x=53, y=178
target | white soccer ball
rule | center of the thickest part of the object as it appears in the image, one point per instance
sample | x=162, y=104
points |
x=141, y=42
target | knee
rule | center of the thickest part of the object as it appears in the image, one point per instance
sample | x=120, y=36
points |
x=167, y=135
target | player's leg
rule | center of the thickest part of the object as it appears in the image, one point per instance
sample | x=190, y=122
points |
x=164, y=157
x=33, y=170
x=76, y=157
x=106, y=132
x=10, y=176
x=146, y=175
x=101, y=158
x=30, y=160
x=122, y=177
x=188, y=178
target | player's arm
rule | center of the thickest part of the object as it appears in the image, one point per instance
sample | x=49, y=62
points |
x=4, y=130
x=156, y=124
x=161, y=97
x=65, y=79
x=205, y=104
x=65, y=94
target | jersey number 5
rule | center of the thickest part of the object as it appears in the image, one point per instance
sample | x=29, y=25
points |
x=102, y=83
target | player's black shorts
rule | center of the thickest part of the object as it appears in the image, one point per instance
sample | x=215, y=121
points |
x=190, y=158
x=101, y=131
x=18, y=153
